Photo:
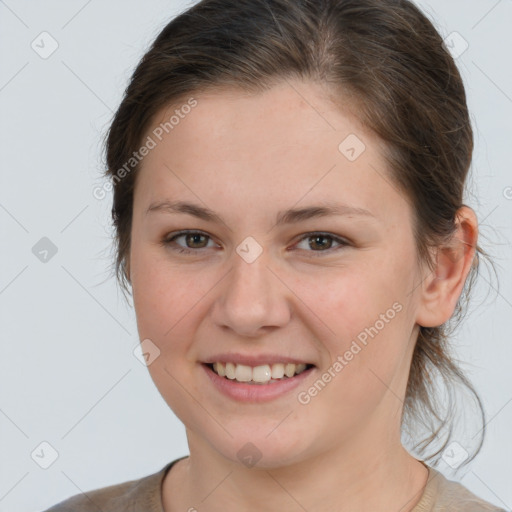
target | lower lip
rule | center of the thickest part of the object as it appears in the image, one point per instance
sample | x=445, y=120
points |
x=255, y=393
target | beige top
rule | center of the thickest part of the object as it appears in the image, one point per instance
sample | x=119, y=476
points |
x=145, y=495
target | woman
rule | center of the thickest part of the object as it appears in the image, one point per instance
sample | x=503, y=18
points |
x=288, y=180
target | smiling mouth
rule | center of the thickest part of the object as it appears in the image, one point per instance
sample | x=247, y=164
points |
x=261, y=374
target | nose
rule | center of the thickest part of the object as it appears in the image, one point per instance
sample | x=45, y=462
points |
x=252, y=299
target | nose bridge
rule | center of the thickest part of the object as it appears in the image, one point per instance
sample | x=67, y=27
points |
x=250, y=277
x=251, y=297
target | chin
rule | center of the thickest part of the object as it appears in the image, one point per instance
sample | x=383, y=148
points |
x=261, y=450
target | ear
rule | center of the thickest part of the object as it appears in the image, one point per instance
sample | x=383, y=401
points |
x=442, y=287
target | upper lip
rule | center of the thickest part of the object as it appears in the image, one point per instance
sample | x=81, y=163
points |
x=253, y=360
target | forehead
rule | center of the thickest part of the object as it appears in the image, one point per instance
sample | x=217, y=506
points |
x=234, y=122
x=289, y=143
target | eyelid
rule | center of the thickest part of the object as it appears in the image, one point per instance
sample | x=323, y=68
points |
x=338, y=239
x=343, y=242
x=171, y=237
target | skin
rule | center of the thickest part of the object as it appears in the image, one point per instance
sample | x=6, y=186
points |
x=246, y=157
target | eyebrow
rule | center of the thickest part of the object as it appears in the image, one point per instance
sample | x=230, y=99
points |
x=283, y=217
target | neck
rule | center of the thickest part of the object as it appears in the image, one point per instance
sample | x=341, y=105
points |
x=361, y=476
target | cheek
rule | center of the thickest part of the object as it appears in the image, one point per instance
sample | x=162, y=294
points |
x=367, y=362
x=369, y=325
x=351, y=298
x=164, y=293
x=167, y=304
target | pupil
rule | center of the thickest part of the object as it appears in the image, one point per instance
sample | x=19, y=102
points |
x=193, y=237
x=321, y=237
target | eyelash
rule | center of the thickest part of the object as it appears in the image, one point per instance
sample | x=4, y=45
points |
x=168, y=242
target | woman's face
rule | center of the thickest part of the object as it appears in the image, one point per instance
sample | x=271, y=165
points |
x=268, y=280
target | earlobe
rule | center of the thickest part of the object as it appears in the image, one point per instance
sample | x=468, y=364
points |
x=442, y=287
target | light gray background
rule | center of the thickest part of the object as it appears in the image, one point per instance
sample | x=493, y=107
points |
x=68, y=373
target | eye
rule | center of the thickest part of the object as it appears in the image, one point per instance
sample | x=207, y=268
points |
x=322, y=242
x=195, y=239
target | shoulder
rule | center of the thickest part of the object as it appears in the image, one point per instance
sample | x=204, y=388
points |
x=443, y=495
x=133, y=495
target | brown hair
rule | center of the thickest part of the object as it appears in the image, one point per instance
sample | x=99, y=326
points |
x=405, y=86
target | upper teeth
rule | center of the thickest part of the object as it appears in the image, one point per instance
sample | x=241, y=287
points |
x=262, y=373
